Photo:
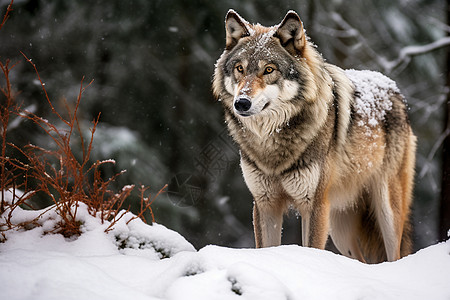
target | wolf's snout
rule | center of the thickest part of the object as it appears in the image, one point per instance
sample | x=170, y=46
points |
x=242, y=104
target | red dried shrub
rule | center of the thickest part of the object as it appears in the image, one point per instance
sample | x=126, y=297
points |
x=56, y=173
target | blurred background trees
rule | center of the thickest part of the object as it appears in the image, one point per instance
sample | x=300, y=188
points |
x=152, y=64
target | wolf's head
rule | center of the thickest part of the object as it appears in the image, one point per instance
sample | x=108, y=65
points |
x=267, y=71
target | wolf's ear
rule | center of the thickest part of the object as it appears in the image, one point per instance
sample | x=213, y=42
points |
x=236, y=28
x=291, y=34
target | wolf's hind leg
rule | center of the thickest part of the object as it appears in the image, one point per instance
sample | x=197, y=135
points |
x=407, y=182
x=267, y=223
x=387, y=218
x=345, y=229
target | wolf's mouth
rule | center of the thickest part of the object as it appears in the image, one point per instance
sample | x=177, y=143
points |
x=249, y=114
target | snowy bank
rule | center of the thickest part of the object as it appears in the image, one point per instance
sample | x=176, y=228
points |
x=138, y=261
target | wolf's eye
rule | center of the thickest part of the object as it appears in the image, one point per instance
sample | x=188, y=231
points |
x=240, y=68
x=268, y=70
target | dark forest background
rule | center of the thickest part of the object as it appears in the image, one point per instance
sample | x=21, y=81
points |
x=152, y=64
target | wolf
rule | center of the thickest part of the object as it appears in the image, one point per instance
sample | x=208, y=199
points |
x=335, y=145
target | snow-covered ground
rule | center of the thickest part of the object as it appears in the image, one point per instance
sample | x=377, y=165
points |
x=138, y=261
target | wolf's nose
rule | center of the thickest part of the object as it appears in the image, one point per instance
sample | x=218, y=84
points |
x=242, y=104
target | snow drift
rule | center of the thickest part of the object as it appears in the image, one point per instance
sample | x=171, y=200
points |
x=140, y=261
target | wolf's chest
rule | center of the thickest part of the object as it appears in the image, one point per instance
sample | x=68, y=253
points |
x=297, y=186
x=273, y=154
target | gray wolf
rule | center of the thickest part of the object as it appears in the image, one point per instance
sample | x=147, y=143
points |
x=334, y=145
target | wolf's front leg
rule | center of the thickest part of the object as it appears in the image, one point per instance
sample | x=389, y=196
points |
x=316, y=224
x=267, y=223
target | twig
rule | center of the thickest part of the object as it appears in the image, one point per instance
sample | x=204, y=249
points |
x=6, y=16
x=433, y=151
x=146, y=204
x=45, y=91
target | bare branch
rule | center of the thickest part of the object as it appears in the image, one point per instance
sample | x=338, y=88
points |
x=353, y=32
x=404, y=56
x=407, y=52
